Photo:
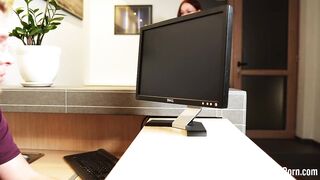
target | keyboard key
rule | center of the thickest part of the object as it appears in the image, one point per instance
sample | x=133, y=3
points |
x=93, y=164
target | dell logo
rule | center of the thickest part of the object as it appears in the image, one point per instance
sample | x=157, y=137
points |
x=170, y=100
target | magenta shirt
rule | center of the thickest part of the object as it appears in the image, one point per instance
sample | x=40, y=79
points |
x=8, y=149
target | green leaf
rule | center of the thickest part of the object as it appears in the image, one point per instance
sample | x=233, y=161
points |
x=35, y=31
x=36, y=10
x=55, y=23
x=19, y=10
x=39, y=15
x=25, y=25
x=31, y=20
x=35, y=24
x=54, y=4
x=14, y=33
x=20, y=31
x=57, y=19
x=51, y=27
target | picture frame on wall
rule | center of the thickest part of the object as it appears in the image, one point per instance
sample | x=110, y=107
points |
x=74, y=7
x=128, y=19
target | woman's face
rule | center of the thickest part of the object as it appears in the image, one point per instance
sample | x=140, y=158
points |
x=187, y=8
x=5, y=59
x=3, y=70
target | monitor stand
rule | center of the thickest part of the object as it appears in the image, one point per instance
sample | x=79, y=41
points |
x=184, y=121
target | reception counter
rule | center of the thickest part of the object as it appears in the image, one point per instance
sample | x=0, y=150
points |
x=109, y=100
x=65, y=119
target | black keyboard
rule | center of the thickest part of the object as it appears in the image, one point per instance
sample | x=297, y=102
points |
x=92, y=165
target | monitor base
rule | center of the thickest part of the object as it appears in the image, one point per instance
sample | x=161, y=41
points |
x=193, y=129
x=196, y=129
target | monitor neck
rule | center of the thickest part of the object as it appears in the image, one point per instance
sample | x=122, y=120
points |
x=186, y=117
x=184, y=121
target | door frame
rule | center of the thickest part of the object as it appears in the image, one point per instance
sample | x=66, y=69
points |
x=291, y=72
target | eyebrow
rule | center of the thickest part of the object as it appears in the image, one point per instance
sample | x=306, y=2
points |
x=5, y=62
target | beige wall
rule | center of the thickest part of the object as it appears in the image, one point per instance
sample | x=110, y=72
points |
x=308, y=112
x=112, y=59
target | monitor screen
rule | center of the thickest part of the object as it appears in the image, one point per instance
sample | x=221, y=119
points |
x=186, y=60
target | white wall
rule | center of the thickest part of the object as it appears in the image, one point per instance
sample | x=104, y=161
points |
x=308, y=114
x=91, y=53
x=69, y=36
x=112, y=59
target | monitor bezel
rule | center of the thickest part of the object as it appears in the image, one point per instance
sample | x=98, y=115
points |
x=228, y=13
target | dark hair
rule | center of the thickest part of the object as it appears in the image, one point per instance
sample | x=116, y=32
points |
x=194, y=3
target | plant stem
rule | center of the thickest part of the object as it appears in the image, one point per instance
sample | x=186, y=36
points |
x=45, y=11
x=41, y=37
x=28, y=22
x=22, y=39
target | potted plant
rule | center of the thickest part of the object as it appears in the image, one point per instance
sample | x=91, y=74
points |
x=38, y=64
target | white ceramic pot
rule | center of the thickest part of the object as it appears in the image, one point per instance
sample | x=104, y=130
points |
x=38, y=65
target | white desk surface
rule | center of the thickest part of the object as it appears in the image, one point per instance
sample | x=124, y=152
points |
x=161, y=153
x=52, y=164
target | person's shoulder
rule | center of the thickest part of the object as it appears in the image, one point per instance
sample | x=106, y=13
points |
x=1, y=114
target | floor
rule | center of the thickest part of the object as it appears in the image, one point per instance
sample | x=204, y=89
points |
x=294, y=154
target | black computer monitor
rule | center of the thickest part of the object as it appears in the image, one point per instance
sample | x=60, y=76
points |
x=186, y=60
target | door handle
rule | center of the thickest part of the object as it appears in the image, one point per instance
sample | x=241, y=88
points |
x=240, y=64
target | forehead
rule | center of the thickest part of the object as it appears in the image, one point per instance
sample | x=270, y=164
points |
x=186, y=5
